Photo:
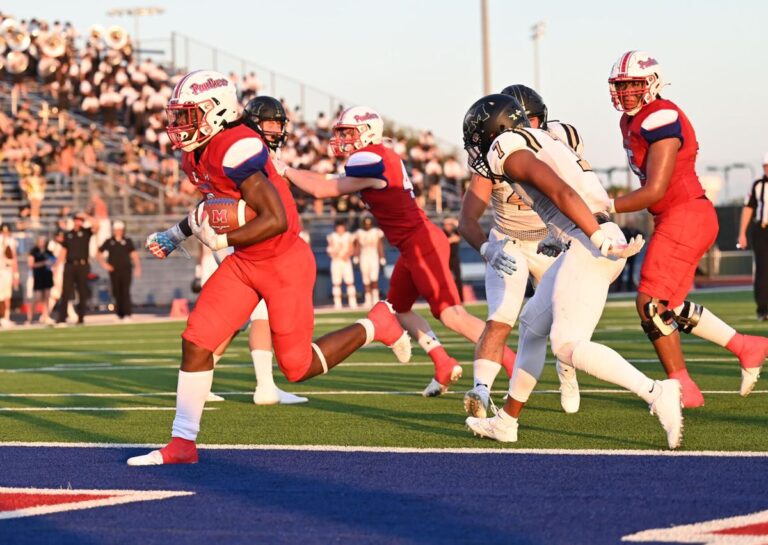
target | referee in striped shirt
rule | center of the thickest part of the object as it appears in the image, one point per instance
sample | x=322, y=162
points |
x=756, y=212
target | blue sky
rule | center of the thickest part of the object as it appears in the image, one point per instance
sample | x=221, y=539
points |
x=418, y=61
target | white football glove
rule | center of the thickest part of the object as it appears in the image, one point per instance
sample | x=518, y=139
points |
x=205, y=233
x=554, y=243
x=280, y=166
x=161, y=244
x=617, y=248
x=500, y=261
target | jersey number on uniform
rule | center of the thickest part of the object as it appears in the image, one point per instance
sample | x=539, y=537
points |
x=407, y=185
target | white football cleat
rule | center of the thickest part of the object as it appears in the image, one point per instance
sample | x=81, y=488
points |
x=668, y=408
x=153, y=458
x=570, y=397
x=213, y=398
x=476, y=401
x=401, y=348
x=275, y=396
x=435, y=388
x=749, y=376
x=502, y=428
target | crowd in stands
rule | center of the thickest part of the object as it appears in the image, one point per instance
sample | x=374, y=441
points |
x=85, y=104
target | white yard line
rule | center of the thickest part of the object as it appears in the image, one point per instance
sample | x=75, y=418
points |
x=89, y=409
x=413, y=450
x=106, y=366
x=109, y=395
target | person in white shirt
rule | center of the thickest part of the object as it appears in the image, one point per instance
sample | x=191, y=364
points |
x=9, y=274
x=340, y=248
x=369, y=253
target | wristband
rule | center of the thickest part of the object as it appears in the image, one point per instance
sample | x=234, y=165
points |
x=612, y=208
x=176, y=234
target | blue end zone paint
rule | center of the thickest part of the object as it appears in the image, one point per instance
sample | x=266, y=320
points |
x=276, y=497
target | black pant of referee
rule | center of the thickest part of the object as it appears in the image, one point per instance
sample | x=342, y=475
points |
x=121, y=291
x=75, y=277
x=760, y=249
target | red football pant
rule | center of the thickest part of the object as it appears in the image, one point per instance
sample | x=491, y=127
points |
x=285, y=282
x=682, y=235
x=422, y=269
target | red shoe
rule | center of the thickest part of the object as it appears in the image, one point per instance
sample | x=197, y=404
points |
x=178, y=451
x=753, y=351
x=692, y=396
x=388, y=331
x=447, y=371
x=508, y=360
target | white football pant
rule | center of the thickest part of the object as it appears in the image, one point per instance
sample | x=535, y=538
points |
x=567, y=306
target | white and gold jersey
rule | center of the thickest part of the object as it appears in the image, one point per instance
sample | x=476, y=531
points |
x=369, y=240
x=340, y=245
x=511, y=216
x=568, y=164
x=568, y=134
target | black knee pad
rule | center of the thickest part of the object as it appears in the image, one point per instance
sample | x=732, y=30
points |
x=658, y=324
x=689, y=316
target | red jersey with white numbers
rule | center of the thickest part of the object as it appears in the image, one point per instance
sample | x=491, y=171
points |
x=230, y=158
x=393, y=206
x=656, y=121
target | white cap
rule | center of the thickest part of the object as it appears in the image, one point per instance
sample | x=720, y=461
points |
x=117, y=224
x=765, y=159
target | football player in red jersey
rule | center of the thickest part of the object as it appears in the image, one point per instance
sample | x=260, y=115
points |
x=378, y=173
x=225, y=158
x=266, y=116
x=661, y=147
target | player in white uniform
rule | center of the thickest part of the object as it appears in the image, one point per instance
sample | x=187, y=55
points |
x=9, y=274
x=340, y=248
x=523, y=229
x=561, y=188
x=369, y=251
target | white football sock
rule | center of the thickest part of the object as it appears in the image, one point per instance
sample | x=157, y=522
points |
x=374, y=296
x=191, y=392
x=368, y=302
x=352, y=296
x=521, y=384
x=608, y=365
x=370, y=330
x=336, y=291
x=485, y=371
x=711, y=328
x=262, y=365
x=428, y=341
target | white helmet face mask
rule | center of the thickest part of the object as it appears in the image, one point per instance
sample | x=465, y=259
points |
x=635, y=81
x=355, y=129
x=202, y=104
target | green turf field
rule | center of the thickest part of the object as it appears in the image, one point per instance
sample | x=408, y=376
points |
x=372, y=400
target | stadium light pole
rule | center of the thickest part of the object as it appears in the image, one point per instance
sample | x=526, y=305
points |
x=136, y=13
x=486, y=47
x=537, y=31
